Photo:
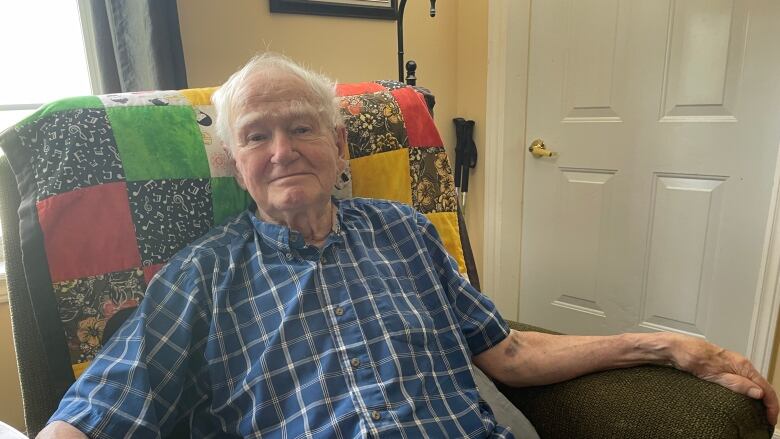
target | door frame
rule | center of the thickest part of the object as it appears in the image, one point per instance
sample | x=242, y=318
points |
x=509, y=26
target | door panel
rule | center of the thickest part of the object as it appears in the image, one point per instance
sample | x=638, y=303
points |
x=590, y=62
x=683, y=239
x=705, y=56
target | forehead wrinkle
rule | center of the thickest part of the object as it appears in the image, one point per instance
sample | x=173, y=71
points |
x=289, y=110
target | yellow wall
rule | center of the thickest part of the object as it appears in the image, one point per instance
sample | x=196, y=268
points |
x=471, y=104
x=11, y=399
x=450, y=50
x=774, y=371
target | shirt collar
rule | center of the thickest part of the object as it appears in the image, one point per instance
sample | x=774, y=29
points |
x=283, y=238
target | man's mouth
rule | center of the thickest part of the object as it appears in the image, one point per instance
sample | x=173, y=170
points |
x=296, y=174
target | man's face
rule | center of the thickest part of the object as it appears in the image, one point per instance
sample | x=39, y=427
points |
x=286, y=156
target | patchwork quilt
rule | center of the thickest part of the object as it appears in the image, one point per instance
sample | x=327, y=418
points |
x=112, y=186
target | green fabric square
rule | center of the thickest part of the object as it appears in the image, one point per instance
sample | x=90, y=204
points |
x=227, y=198
x=61, y=105
x=159, y=142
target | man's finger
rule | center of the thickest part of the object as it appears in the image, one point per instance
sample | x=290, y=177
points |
x=739, y=384
x=771, y=402
x=769, y=396
x=745, y=386
x=771, y=407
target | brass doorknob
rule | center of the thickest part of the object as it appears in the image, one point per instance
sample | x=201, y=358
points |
x=538, y=149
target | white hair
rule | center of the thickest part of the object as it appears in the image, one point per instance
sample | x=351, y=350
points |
x=322, y=91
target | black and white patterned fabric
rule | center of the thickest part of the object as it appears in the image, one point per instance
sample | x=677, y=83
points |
x=168, y=214
x=79, y=150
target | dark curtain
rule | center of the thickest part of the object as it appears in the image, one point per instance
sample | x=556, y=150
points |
x=138, y=44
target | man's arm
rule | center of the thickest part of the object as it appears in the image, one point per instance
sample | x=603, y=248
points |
x=60, y=430
x=532, y=358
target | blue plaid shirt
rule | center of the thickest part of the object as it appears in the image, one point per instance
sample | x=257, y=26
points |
x=250, y=333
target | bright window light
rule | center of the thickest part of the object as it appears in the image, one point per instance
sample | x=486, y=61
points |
x=44, y=49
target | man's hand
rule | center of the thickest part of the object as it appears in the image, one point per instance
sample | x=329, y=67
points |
x=720, y=366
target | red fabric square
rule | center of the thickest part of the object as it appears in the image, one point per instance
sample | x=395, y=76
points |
x=150, y=271
x=419, y=123
x=88, y=231
x=358, y=88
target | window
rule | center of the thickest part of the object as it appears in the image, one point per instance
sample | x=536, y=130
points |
x=44, y=60
x=45, y=57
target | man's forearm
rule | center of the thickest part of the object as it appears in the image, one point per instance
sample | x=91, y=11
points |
x=59, y=429
x=532, y=358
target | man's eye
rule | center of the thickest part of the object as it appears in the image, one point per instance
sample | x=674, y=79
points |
x=256, y=137
x=302, y=130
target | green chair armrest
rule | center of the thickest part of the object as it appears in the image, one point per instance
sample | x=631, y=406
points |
x=639, y=402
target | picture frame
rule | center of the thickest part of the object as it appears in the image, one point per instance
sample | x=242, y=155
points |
x=373, y=9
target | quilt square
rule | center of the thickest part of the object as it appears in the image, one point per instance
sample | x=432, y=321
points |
x=419, y=124
x=159, y=142
x=86, y=304
x=168, y=215
x=227, y=198
x=71, y=149
x=433, y=188
x=446, y=224
x=384, y=176
x=374, y=124
x=88, y=232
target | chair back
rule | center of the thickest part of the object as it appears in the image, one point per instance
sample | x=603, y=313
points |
x=105, y=189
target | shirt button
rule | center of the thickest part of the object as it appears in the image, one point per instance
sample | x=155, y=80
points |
x=288, y=256
x=339, y=311
x=375, y=415
x=355, y=362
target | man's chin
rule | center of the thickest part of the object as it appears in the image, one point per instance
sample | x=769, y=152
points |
x=295, y=200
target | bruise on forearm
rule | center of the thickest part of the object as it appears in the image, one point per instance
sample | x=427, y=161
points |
x=512, y=349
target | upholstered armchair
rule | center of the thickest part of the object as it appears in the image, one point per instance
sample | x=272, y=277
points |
x=98, y=192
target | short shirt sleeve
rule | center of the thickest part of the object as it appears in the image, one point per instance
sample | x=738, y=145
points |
x=146, y=377
x=480, y=321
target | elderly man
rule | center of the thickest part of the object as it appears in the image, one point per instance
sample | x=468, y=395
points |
x=309, y=316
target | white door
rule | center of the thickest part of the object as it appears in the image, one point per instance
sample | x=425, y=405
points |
x=666, y=119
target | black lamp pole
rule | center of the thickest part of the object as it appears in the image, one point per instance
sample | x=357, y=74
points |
x=400, y=24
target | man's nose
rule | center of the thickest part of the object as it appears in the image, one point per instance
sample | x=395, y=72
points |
x=283, y=148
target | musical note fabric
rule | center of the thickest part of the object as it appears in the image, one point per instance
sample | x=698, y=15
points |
x=113, y=186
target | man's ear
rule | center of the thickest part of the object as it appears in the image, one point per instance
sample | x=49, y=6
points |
x=341, y=141
x=231, y=163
